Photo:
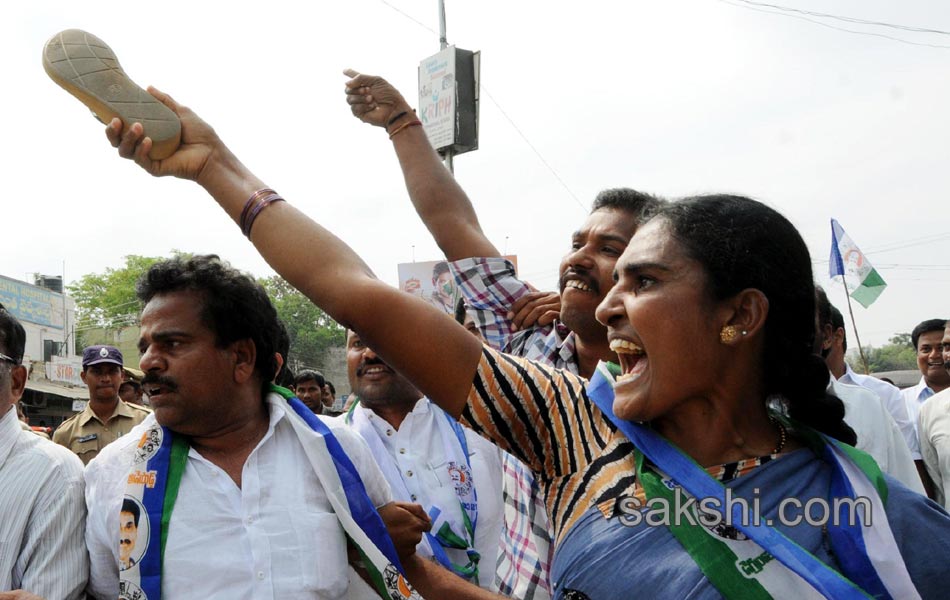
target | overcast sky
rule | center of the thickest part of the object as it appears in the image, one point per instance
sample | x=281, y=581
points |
x=673, y=97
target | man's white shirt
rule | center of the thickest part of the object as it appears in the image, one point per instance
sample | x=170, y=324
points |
x=42, y=515
x=914, y=397
x=893, y=402
x=274, y=537
x=878, y=434
x=419, y=453
x=935, y=443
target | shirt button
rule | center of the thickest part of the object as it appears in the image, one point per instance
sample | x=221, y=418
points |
x=402, y=451
x=412, y=497
x=260, y=574
x=408, y=473
x=249, y=520
x=389, y=432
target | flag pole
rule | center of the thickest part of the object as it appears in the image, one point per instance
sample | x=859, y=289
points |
x=864, y=360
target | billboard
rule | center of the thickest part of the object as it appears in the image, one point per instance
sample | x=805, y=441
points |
x=448, y=99
x=32, y=304
x=432, y=282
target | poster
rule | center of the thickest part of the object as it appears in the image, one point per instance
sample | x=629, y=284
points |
x=433, y=282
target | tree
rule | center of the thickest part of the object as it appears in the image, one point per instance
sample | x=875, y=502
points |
x=108, y=299
x=901, y=339
x=106, y=302
x=898, y=355
x=312, y=332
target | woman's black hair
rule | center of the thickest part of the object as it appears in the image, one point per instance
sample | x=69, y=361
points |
x=742, y=244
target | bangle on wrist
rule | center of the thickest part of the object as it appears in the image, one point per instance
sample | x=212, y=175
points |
x=258, y=201
x=405, y=126
x=395, y=119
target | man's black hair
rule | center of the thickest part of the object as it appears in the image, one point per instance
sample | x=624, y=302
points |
x=439, y=268
x=332, y=387
x=285, y=378
x=837, y=322
x=236, y=307
x=639, y=204
x=310, y=375
x=12, y=336
x=129, y=506
x=926, y=327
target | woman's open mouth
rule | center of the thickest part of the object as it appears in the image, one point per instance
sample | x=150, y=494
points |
x=633, y=360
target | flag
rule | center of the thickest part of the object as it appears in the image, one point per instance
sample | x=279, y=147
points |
x=848, y=263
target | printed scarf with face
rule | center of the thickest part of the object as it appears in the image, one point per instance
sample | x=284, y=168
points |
x=453, y=509
x=154, y=478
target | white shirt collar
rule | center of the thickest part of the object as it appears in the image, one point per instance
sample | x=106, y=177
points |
x=922, y=389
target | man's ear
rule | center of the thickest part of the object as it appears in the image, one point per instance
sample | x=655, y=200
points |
x=747, y=311
x=18, y=377
x=82, y=375
x=245, y=356
x=838, y=336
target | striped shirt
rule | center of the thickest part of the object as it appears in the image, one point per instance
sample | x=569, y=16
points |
x=42, y=515
x=542, y=416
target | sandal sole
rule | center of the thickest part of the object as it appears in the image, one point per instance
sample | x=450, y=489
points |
x=87, y=68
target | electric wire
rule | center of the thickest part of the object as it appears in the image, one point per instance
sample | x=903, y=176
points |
x=737, y=4
x=846, y=19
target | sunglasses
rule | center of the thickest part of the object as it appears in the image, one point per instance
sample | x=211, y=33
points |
x=9, y=359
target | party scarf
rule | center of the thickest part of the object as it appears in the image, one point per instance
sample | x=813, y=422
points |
x=768, y=564
x=454, y=511
x=155, y=475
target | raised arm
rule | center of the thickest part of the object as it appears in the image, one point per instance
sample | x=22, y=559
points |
x=441, y=203
x=438, y=355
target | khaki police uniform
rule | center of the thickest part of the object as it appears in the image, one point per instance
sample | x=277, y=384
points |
x=86, y=435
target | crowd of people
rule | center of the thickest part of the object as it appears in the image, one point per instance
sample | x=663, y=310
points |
x=533, y=447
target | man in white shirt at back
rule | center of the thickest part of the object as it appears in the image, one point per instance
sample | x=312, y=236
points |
x=430, y=459
x=934, y=424
x=877, y=431
x=890, y=395
x=42, y=514
x=927, y=339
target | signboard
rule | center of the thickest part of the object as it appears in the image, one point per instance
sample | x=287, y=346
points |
x=437, y=97
x=31, y=304
x=433, y=282
x=448, y=99
x=65, y=370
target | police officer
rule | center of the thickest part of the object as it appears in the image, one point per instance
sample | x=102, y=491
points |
x=106, y=417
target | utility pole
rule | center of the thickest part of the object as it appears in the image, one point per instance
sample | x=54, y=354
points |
x=443, y=44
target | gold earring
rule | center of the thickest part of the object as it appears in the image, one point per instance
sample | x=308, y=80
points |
x=728, y=334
